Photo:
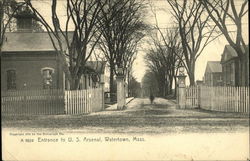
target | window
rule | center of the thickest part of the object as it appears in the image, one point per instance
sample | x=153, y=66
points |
x=11, y=79
x=47, y=77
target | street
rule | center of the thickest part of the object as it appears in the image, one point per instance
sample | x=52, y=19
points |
x=157, y=131
x=140, y=117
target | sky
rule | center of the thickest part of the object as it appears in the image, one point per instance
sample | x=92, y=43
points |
x=211, y=53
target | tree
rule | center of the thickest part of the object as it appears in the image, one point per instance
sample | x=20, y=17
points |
x=164, y=59
x=194, y=30
x=129, y=71
x=172, y=55
x=149, y=84
x=155, y=63
x=122, y=30
x=168, y=45
x=223, y=12
x=76, y=45
x=134, y=87
x=8, y=9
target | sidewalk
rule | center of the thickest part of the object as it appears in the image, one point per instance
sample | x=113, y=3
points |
x=114, y=106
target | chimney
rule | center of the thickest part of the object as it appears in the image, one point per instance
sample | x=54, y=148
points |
x=24, y=19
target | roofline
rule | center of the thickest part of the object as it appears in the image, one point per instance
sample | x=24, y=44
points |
x=28, y=51
x=223, y=62
x=34, y=32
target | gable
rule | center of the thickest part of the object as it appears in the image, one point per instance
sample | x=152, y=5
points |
x=213, y=67
x=228, y=53
x=207, y=70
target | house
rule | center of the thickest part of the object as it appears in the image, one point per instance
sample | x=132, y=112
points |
x=29, y=61
x=213, y=74
x=230, y=68
x=93, y=74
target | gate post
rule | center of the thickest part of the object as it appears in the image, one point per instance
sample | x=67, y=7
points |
x=102, y=83
x=120, y=92
x=181, y=91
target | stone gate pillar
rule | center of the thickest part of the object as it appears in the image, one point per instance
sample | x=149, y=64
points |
x=120, y=92
x=181, y=94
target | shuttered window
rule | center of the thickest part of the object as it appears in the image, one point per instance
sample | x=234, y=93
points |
x=11, y=79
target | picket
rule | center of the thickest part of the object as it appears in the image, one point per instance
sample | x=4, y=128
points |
x=227, y=99
x=32, y=102
x=192, y=96
x=83, y=101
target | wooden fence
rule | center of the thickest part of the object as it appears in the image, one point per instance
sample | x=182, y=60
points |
x=192, y=97
x=32, y=102
x=51, y=102
x=83, y=101
x=228, y=99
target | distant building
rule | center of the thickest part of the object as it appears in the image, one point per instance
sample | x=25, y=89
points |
x=199, y=82
x=96, y=69
x=230, y=67
x=213, y=74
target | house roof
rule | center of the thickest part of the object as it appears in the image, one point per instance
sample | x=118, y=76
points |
x=97, y=66
x=214, y=67
x=27, y=41
x=229, y=53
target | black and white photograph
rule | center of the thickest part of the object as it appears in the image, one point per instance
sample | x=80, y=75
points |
x=124, y=80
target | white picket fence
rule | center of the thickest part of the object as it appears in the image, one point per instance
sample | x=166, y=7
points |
x=51, y=102
x=192, y=96
x=227, y=99
x=32, y=102
x=83, y=101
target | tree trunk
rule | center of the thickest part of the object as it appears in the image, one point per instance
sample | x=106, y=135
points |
x=191, y=79
x=247, y=70
x=175, y=88
x=243, y=71
x=129, y=91
x=170, y=86
x=74, y=83
x=191, y=75
x=111, y=84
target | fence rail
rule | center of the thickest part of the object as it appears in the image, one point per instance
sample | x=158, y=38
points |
x=29, y=102
x=227, y=99
x=51, y=102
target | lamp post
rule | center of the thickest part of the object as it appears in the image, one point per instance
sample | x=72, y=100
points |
x=181, y=96
x=120, y=89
